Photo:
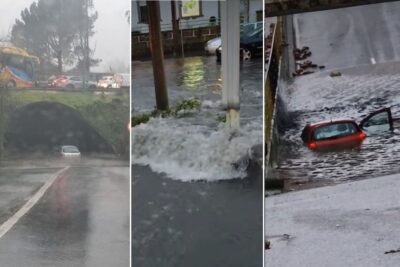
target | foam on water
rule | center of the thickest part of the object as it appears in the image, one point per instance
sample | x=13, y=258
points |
x=190, y=152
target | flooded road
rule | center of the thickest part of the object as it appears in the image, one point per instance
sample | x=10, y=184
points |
x=81, y=220
x=353, y=45
x=360, y=94
x=197, y=186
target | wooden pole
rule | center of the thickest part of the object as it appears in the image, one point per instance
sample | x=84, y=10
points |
x=160, y=83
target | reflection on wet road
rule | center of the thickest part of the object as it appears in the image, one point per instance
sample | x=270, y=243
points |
x=82, y=219
x=195, y=224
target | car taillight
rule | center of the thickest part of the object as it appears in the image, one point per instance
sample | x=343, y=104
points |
x=362, y=135
x=312, y=145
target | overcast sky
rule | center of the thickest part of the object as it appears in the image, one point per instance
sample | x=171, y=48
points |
x=112, y=37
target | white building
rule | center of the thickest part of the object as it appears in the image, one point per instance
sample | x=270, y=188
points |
x=205, y=14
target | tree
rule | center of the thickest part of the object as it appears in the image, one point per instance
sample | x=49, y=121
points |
x=85, y=23
x=53, y=29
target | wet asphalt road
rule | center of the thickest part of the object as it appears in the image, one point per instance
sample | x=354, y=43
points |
x=350, y=37
x=362, y=44
x=82, y=219
x=196, y=224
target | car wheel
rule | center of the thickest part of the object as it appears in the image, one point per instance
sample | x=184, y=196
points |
x=92, y=86
x=109, y=86
x=246, y=54
x=11, y=84
x=69, y=86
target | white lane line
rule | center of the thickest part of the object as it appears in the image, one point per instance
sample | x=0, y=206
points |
x=7, y=225
x=373, y=61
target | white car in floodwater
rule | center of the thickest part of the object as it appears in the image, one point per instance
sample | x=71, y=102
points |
x=70, y=151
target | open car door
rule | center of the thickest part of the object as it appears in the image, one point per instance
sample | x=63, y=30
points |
x=378, y=121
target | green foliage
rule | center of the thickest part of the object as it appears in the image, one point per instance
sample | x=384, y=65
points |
x=56, y=30
x=110, y=119
x=188, y=104
x=221, y=118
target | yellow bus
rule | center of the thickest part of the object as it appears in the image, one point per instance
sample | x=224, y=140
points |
x=17, y=67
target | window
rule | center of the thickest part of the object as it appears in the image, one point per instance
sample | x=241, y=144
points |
x=142, y=12
x=334, y=131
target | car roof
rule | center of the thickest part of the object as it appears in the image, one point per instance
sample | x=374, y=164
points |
x=69, y=146
x=332, y=121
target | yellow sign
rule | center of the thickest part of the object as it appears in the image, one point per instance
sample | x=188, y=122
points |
x=190, y=8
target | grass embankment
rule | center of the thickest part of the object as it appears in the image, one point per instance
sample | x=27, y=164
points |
x=107, y=113
x=188, y=104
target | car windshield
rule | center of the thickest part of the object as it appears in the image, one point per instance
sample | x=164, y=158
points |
x=70, y=149
x=250, y=29
x=336, y=130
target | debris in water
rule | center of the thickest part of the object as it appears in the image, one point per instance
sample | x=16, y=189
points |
x=392, y=251
x=335, y=74
x=267, y=245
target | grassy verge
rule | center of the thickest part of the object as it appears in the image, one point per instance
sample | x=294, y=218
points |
x=188, y=104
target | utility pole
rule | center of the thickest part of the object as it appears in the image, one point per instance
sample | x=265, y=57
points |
x=230, y=36
x=175, y=27
x=157, y=54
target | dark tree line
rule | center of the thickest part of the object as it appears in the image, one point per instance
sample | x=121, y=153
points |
x=58, y=32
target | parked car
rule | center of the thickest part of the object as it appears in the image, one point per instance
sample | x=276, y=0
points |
x=122, y=80
x=251, y=44
x=71, y=82
x=106, y=82
x=212, y=45
x=345, y=133
x=56, y=80
x=70, y=151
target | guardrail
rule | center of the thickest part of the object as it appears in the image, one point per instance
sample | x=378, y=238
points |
x=275, y=8
x=272, y=76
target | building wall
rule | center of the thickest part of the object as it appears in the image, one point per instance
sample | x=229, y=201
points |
x=255, y=5
x=209, y=9
x=193, y=41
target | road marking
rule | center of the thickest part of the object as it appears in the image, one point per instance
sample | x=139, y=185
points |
x=373, y=61
x=7, y=225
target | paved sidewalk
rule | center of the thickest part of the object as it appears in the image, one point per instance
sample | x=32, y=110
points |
x=351, y=224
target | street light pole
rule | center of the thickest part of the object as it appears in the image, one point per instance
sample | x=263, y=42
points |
x=157, y=54
x=230, y=34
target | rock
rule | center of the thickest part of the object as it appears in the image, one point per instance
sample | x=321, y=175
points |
x=267, y=244
x=335, y=74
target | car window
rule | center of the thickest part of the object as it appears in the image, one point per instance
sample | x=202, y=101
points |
x=70, y=149
x=378, y=122
x=334, y=131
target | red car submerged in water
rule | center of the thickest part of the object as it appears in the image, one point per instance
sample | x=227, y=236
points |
x=345, y=133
